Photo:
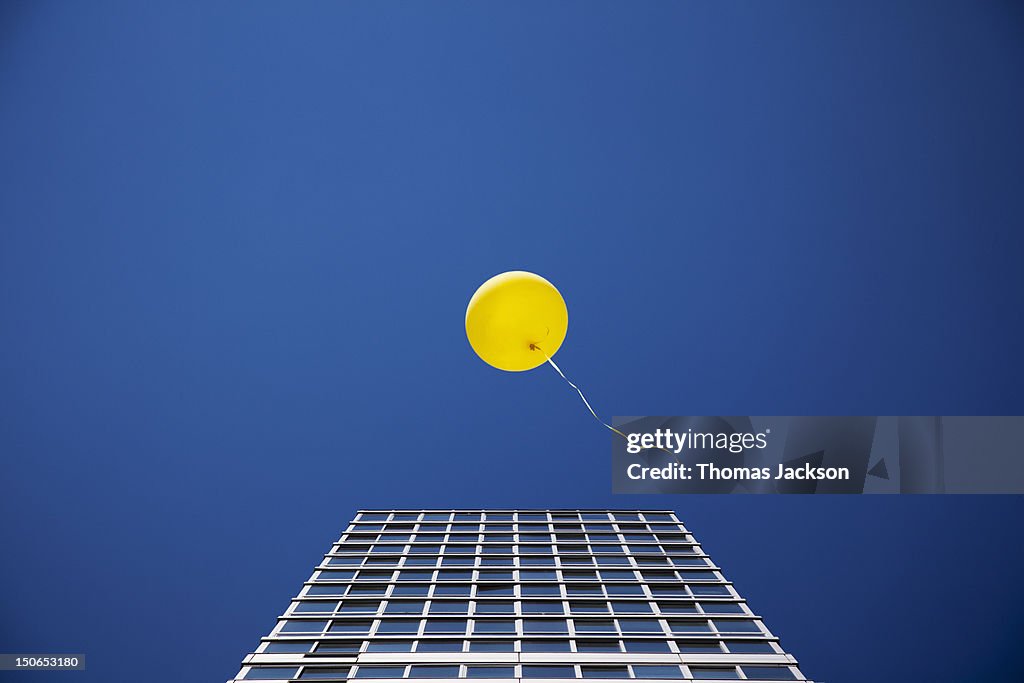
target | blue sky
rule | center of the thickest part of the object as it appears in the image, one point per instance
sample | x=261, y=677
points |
x=237, y=241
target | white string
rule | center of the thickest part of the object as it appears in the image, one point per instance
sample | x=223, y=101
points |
x=534, y=347
x=578, y=391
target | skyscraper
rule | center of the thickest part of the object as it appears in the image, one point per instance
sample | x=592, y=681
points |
x=518, y=594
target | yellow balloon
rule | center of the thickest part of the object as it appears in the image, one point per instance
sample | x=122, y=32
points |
x=509, y=313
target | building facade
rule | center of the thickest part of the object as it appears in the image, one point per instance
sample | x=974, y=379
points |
x=542, y=595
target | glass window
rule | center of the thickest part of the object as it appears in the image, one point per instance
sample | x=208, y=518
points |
x=545, y=626
x=769, y=673
x=656, y=671
x=425, y=549
x=495, y=575
x=288, y=646
x=588, y=607
x=437, y=517
x=495, y=590
x=405, y=607
x=532, y=517
x=463, y=538
x=542, y=589
x=652, y=561
x=625, y=589
x=373, y=575
x=584, y=589
x=445, y=626
x=660, y=646
x=750, y=646
x=699, y=647
x=389, y=646
x=345, y=561
x=657, y=517
x=334, y=575
x=710, y=590
x=668, y=591
x=460, y=549
x=496, y=549
x=697, y=575
x=631, y=607
x=617, y=575
x=367, y=589
x=490, y=672
x=403, y=626
x=419, y=591
x=677, y=607
x=457, y=590
x=429, y=538
x=579, y=575
x=449, y=607
x=420, y=561
x=434, y=671
x=598, y=646
x=499, y=516
x=492, y=646
x=351, y=626
x=458, y=561
x=297, y=626
x=262, y=673
x=339, y=646
x=722, y=607
x=439, y=646
x=373, y=517
x=495, y=607
x=737, y=626
x=714, y=672
x=314, y=606
x=546, y=646
x=616, y=549
x=548, y=671
x=689, y=626
x=406, y=516
x=387, y=548
x=590, y=671
x=455, y=575
x=594, y=626
x=640, y=626
x=380, y=672
x=352, y=606
x=542, y=607
x=497, y=561
x=326, y=589
x=494, y=626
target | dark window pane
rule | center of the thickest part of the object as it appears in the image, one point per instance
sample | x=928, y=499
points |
x=548, y=671
x=769, y=673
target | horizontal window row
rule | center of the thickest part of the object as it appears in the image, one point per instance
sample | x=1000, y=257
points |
x=523, y=626
x=470, y=549
x=531, y=671
x=676, y=559
x=512, y=607
x=412, y=516
x=509, y=562
x=423, y=575
x=524, y=533
x=501, y=544
x=524, y=590
x=707, y=646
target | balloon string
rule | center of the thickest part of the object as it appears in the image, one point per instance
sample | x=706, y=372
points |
x=535, y=347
